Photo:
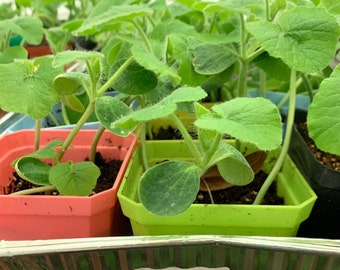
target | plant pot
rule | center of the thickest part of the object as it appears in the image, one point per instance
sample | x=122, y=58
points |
x=225, y=219
x=324, y=221
x=31, y=217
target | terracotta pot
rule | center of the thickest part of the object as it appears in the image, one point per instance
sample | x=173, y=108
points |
x=30, y=217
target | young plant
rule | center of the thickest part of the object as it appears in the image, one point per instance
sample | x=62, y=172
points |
x=36, y=86
x=170, y=187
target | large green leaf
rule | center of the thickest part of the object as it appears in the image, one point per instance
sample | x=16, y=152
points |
x=74, y=179
x=169, y=188
x=304, y=38
x=323, y=114
x=253, y=120
x=26, y=87
x=9, y=54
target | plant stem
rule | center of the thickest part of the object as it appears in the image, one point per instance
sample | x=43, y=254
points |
x=94, y=144
x=289, y=126
x=34, y=190
x=262, y=88
x=143, y=144
x=189, y=141
x=89, y=110
x=242, y=80
x=115, y=76
x=267, y=11
x=144, y=37
x=208, y=189
x=37, y=134
x=211, y=151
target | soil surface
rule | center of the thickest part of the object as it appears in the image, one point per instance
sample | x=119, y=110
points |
x=242, y=194
x=108, y=169
x=327, y=159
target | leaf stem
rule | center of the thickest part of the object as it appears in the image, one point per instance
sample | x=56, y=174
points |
x=94, y=144
x=85, y=116
x=189, y=141
x=34, y=190
x=143, y=35
x=114, y=77
x=37, y=134
x=289, y=126
x=143, y=144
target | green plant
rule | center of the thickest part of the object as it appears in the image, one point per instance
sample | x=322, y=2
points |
x=29, y=29
x=170, y=187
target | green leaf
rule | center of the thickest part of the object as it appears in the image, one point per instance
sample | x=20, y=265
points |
x=163, y=108
x=48, y=151
x=30, y=28
x=33, y=170
x=9, y=54
x=304, y=38
x=68, y=83
x=72, y=102
x=67, y=57
x=26, y=87
x=209, y=59
x=253, y=120
x=106, y=13
x=74, y=179
x=323, y=115
x=109, y=109
x=150, y=62
x=169, y=188
x=232, y=165
x=240, y=6
x=135, y=79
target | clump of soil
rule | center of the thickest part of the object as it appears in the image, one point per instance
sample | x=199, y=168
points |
x=108, y=173
x=329, y=160
x=242, y=194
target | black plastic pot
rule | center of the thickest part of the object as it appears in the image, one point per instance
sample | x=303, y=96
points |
x=324, y=220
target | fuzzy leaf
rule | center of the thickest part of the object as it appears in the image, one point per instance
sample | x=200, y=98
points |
x=67, y=57
x=209, y=59
x=74, y=179
x=323, y=114
x=135, y=79
x=106, y=13
x=26, y=87
x=108, y=110
x=304, y=38
x=253, y=120
x=72, y=102
x=169, y=188
x=9, y=54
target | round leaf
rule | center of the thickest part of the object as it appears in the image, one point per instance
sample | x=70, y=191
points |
x=169, y=188
x=33, y=170
x=304, y=38
x=77, y=179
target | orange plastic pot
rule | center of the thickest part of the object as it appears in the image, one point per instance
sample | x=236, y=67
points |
x=31, y=217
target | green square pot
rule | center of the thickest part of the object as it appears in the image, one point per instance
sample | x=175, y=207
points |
x=264, y=220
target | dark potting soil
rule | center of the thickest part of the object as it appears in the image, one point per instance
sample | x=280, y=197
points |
x=108, y=169
x=329, y=160
x=242, y=194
